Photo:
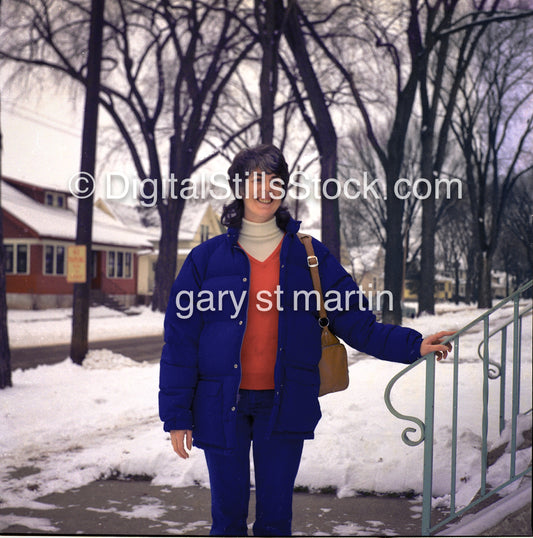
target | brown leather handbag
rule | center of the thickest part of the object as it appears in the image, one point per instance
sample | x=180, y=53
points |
x=333, y=363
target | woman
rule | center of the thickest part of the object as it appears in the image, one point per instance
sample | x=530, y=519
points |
x=240, y=361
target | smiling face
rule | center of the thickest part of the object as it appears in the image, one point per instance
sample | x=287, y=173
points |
x=261, y=196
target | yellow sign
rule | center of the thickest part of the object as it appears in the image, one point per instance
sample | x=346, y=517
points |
x=77, y=264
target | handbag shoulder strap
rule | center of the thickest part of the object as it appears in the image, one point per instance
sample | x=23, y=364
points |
x=312, y=263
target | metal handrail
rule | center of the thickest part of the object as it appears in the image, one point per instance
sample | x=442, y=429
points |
x=425, y=428
x=497, y=367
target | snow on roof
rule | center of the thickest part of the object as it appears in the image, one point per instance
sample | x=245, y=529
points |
x=133, y=217
x=364, y=257
x=190, y=220
x=127, y=214
x=148, y=220
x=60, y=223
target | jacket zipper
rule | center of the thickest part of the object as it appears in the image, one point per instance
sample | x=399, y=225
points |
x=245, y=320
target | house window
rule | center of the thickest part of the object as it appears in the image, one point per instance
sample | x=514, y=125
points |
x=204, y=232
x=94, y=264
x=54, y=260
x=16, y=259
x=119, y=264
x=54, y=199
x=127, y=265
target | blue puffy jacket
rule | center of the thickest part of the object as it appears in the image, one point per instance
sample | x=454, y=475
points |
x=200, y=363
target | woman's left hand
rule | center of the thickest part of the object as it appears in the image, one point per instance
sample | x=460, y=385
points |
x=432, y=344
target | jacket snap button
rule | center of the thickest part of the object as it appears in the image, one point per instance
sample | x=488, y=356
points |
x=240, y=322
x=235, y=366
x=244, y=279
x=233, y=408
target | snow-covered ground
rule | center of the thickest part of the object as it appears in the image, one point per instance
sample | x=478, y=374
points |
x=68, y=425
x=33, y=328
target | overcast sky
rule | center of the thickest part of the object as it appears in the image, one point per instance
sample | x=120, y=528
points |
x=41, y=137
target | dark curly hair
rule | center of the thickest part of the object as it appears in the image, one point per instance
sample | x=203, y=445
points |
x=267, y=158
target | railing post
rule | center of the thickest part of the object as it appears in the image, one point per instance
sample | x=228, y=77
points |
x=503, y=378
x=485, y=411
x=516, y=384
x=455, y=409
x=427, y=493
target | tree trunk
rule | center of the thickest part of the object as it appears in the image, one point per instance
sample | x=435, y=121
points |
x=330, y=205
x=471, y=272
x=5, y=353
x=484, y=297
x=324, y=131
x=165, y=269
x=392, y=313
x=270, y=32
x=180, y=166
x=80, y=311
x=426, y=291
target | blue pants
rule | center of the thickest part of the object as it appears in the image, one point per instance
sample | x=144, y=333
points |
x=276, y=463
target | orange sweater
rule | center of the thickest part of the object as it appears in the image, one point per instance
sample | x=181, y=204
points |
x=259, y=347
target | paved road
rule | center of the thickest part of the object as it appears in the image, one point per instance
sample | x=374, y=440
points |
x=146, y=348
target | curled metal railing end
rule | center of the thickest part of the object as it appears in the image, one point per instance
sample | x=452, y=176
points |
x=397, y=414
x=495, y=370
x=407, y=430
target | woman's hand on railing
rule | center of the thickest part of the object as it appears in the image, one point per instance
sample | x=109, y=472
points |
x=433, y=344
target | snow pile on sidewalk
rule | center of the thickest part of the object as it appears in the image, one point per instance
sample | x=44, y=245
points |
x=67, y=425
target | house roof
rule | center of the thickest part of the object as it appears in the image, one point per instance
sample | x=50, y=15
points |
x=60, y=223
x=32, y=187
x=148, y=220
x=190, y=220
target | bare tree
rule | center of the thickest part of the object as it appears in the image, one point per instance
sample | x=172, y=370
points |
x=450, y=45
x=493, y=128
x=411, y=37
x=365, y=220
x=515, y=252
x=454, y=239
x=396, y=35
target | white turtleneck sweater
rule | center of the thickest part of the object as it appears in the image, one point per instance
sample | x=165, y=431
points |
x=260, y=239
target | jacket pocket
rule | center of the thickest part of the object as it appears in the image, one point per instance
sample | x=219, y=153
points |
x=207, y=413
x=299, y=406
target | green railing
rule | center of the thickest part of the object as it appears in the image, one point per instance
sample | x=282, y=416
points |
x=490, y=370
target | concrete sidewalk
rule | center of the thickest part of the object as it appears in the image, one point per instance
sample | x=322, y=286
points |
x=119, y=507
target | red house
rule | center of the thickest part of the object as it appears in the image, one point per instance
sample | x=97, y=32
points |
x=39, y=224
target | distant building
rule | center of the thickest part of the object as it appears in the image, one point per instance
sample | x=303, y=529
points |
x=199, y=222
x=39, y=225
x=444, y=288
